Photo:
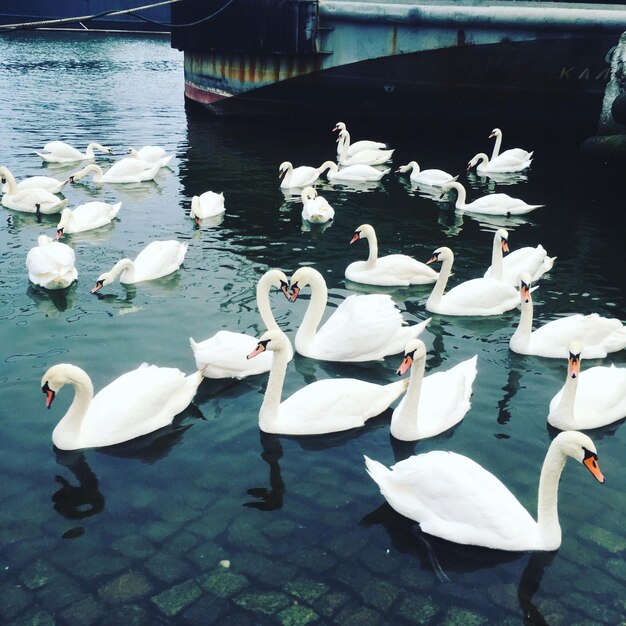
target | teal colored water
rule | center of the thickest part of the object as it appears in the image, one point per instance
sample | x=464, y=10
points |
x=143, y=533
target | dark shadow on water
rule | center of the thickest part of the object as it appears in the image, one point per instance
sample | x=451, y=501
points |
x=529, y=584
x=510, y=391
x=51, y=301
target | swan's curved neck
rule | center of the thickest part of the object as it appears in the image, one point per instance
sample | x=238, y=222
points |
x=496, y=259
x=90, y=150
x=568, y=398
x=92, y=167
x=461, y=195
x=406, y=419
x=496, y=147
x=344, y=142
x=125, y=268
x=313, y=315
x=327, y=165
x=482, y=158
x=547, y=500
x=525, y=326
x=442, y=280
x=11, y=183
x=67, y=431
x=372, y=242
x=268, y=414
x=263, y=289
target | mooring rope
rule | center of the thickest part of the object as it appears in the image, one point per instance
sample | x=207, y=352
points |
x=85, y=18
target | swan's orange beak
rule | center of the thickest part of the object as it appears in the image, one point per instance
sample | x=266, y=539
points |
x=591, y=463
x=505, y=245
x=573, y=370
x=355, y=237
x=433, y=259
x=59, y=233
x=525, y=292
x=285, y=289
x=261, y=347
x=491, y=134
x=295, y=290
x=405, y=365
x=49, y=395
x=99, y=285
x=197, y=221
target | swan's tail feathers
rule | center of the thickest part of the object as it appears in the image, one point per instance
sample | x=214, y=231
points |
x=530, y=154
x=454, y=178
x=193, y=344
x=115, y=209
x=196, y=378
x=377, y=471
x=418, y=329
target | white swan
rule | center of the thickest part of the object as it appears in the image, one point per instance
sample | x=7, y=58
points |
x=137, y=403
x=598, y=335
x=86, y=217
x=29, y=200
x=325, y=406
x=61, y=152
x=433, y=404
x=367, y=156
x=391, y=270
x=315, y=208
x=51, y=264
x=224, y=354
x=157, y=259
x=126, y=170
x=492, y=204
x=432, y=178
x=362, y=327
x=589, y=399
x=517, y=153
x=534, y=261
x=502, y=164
x=301, y=176
x=357, y=146
x=479, y=296
x=151, y=154
x=353, y=173
x=47, y=183
x=455, y=498
x=208, y=204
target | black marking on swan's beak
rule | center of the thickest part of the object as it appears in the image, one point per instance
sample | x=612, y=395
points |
x=261, y=347
x=433, y=259
x=284, y=287
x=591, y=463
x=50, y=393
x=99, y=285
x=356, y=236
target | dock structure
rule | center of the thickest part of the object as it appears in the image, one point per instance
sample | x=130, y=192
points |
x=404, y=59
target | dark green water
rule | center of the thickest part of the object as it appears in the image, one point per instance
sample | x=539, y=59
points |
x=135, y=534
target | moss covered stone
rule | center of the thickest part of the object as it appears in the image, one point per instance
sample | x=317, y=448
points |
x=173, y=600
x=223, y=583
x=268, y=603
x=297, y=615
x=307, y=590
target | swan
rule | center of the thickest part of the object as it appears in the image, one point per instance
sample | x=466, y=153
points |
x=492, y=204
x=593, y=398
x=126, y=170
x=157, y=259
x=535, y=261
x=50, y=264
x=367, y=156
x=432, y=178
x=151, y=154
x=325, y=406
x=137, y=403
x=502, y=164
x=357, y=146
x=29, y=200
x=61, y=152
x=47, y=183
x=455, y=498
x=435, y=403
x=599, y=335
x=206, y=205
x=362, y=328
x=315, y=208
x=86, y=217
x=479, y=296
x=353, y=173
x=224, y=354
x=389, y=271
x=301, y=176
x=517, y=153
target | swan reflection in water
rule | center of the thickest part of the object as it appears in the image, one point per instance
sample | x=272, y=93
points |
x=449, y=561
x=52, y=301
x=489, y=182
x=452, y=221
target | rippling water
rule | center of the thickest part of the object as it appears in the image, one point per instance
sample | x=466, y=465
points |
x=136, y=533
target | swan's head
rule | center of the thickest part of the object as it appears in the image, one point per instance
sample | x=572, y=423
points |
x=502, y=235
x=105, y=279
x=339, y=126
x=308, y=193
x=362, y=232
x=524, y=287
x=66, y=216
x=496, y=132
x=301, y=278
x=573, y=360
x=452, y=184
x=414, y=351
x=283, y=168
x=580, y=447
x=132, y=152
x=274, y=340
x=275, y=278
x=57, y=376
x=441, y=254
x=195, y=205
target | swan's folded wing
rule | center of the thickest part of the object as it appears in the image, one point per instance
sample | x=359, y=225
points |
x=61, y=149
x=361, y=324
x=484, y=294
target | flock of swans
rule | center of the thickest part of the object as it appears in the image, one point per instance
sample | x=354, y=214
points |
x=450, y=495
